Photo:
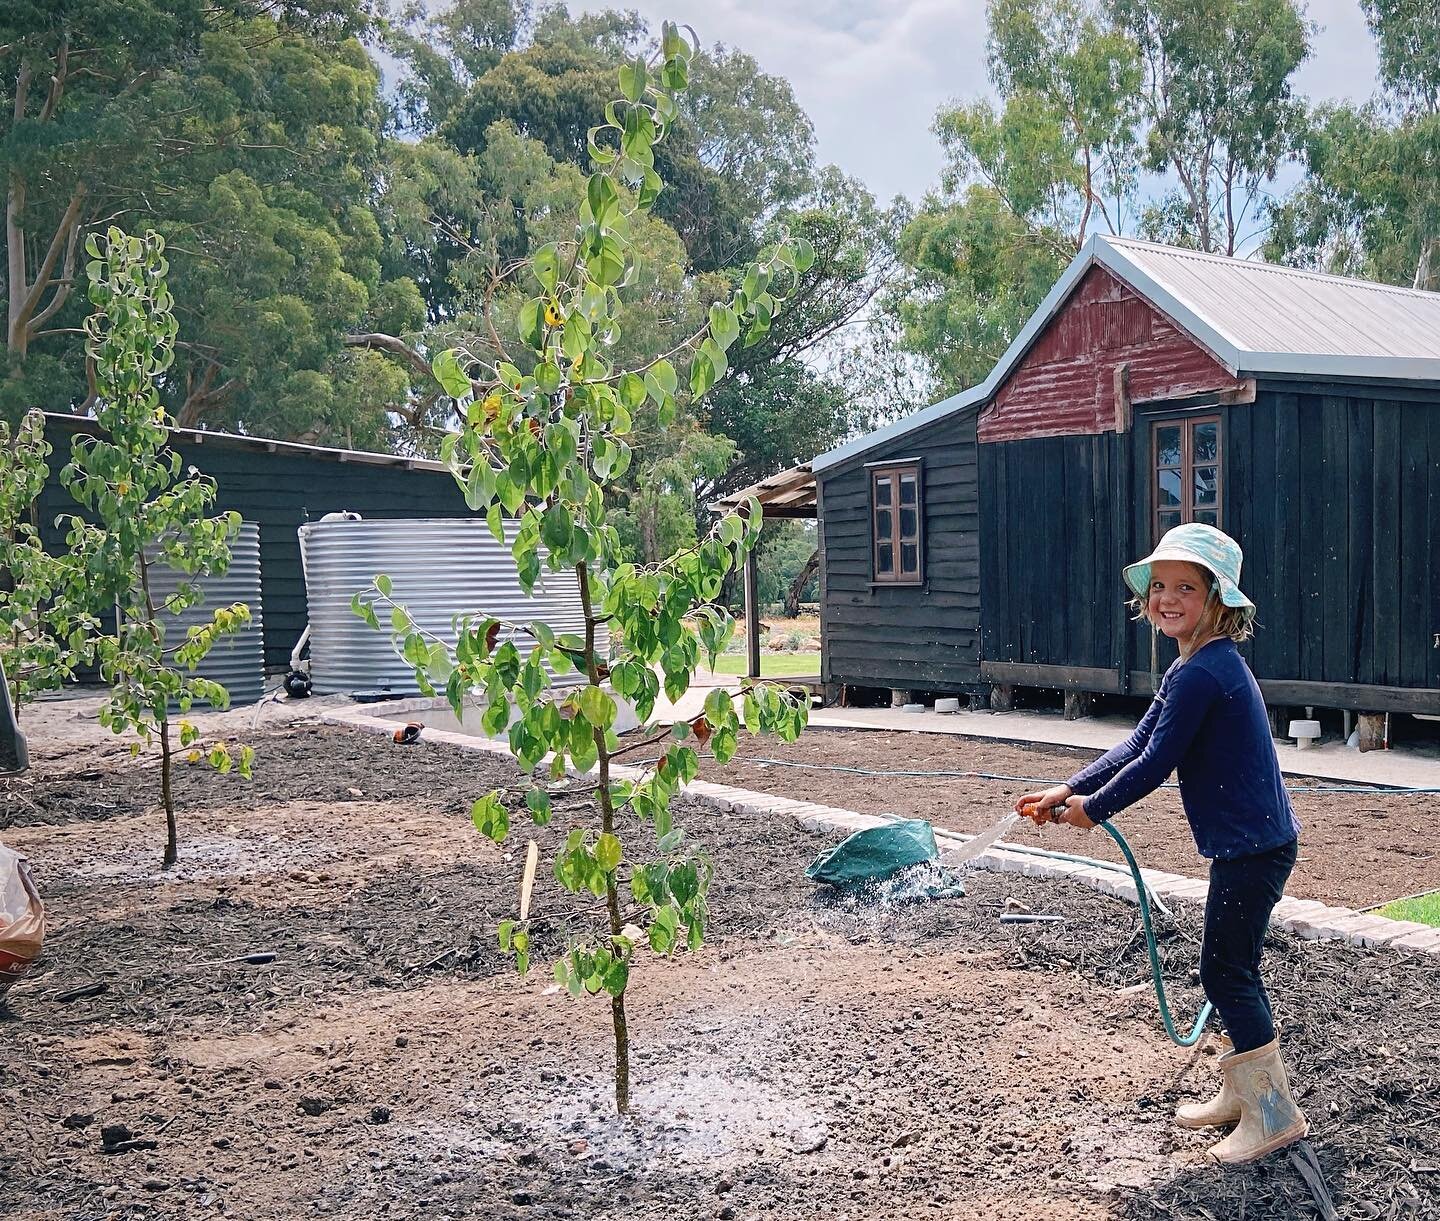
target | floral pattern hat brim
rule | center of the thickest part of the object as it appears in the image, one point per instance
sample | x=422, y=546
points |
x=1194, y=543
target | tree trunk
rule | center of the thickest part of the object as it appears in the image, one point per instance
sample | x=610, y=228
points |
x=607, y=823
x=1422, y=268
x=649, y=545
x=15, y=279
x=797, y=587
x=167, y=795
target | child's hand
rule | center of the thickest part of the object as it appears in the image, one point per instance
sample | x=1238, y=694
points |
x=1033, y=805
x=1073, y=812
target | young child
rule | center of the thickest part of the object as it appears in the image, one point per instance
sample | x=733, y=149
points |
x=1208, y=722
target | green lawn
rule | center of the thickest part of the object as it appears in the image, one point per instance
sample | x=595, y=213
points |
x=791, y=665
x=1424, y=910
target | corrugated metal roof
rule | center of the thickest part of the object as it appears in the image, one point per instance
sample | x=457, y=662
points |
x=1256, y=318
x=1271, y=319
x=791, y=493
x=232, y=440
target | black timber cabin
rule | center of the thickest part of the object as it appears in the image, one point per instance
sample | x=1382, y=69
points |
x=976, y=546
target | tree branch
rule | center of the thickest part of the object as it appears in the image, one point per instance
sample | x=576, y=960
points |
x=57, y=82
x=63, y=238
x=63, y=285
x=376, y=341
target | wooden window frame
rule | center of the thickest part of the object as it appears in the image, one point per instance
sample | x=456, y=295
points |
x=1188, y=508
x=895, y=470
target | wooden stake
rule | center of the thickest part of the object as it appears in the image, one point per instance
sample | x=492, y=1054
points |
x=527, y=882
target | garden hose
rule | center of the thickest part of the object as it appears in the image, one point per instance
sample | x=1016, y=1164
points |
x=1143, y=901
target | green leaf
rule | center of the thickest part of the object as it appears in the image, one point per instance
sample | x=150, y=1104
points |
x=557, y=528
x=532, y=323
x=503, y=932
x=546, y=266
x=616, y=977
x=633, y=79
x=382, y=583
x=632, y=391
x=607, y=852
x=539, y=802
x=447, y=370
x=650, y=188
x=684, y=882
x=597, y=707
x=724, y=326
x=672, y=42
x=665, y=376
x=603, y=199
x=490, y=817
x=598, y=154
x=548, y=377
x=716, y=355
x=702, y=375
x=804, y=254
x=495, y=519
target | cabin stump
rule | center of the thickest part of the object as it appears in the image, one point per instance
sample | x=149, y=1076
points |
x=1372, y=731
x=1077, y=705
x=1002, y=697
x=899, y=697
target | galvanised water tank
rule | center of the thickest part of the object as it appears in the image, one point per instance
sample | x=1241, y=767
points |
x=236, y=662
x=440, y=568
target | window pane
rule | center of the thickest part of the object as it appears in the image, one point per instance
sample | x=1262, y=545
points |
x=1168, y=486
x=909, y=559
x=1206, y=479
x=882, y=491
x=1209, y=517
x=909, y=521
x=1205, y=442
x=1167, y=446
x=1168, y=520
x=884, y=561
x=907, y=489
x=882, y=524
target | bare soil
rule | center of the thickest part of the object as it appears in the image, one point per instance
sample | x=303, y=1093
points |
x=1356, y=849
x=816, y=1059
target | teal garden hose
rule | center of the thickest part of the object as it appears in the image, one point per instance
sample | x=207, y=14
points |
x=1143, y=901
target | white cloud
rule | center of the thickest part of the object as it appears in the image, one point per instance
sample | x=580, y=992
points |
x=872, y=73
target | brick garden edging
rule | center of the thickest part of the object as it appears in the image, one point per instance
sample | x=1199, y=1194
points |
x=1306, y=918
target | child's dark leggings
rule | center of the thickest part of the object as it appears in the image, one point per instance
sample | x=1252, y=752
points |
x=1242, y=893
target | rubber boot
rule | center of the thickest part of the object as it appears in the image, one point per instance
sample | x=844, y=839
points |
x=1269, y=1118
x=1224, y=1108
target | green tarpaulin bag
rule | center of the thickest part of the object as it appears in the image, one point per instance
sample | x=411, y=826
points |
x=879, y=853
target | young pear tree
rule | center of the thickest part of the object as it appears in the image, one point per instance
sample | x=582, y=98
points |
x=142, y=513
x=41, y=621
x=545, y=440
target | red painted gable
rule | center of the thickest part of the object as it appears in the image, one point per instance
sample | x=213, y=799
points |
x=1065, y=383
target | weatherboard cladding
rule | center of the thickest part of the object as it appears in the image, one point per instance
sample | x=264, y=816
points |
x=1065, y=383
x=920, y=637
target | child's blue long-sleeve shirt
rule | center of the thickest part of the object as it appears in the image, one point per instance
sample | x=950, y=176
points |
x=1208, y=721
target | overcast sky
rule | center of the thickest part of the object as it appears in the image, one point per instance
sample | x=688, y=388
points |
x=872, y=73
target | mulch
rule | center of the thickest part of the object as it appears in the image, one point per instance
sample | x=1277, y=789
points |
x=1359, y=1025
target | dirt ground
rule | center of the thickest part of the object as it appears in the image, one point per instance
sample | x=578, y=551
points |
x=1356, y=850
x=816, y=1059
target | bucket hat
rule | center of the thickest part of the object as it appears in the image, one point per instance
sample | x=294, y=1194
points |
x=1196, y=543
